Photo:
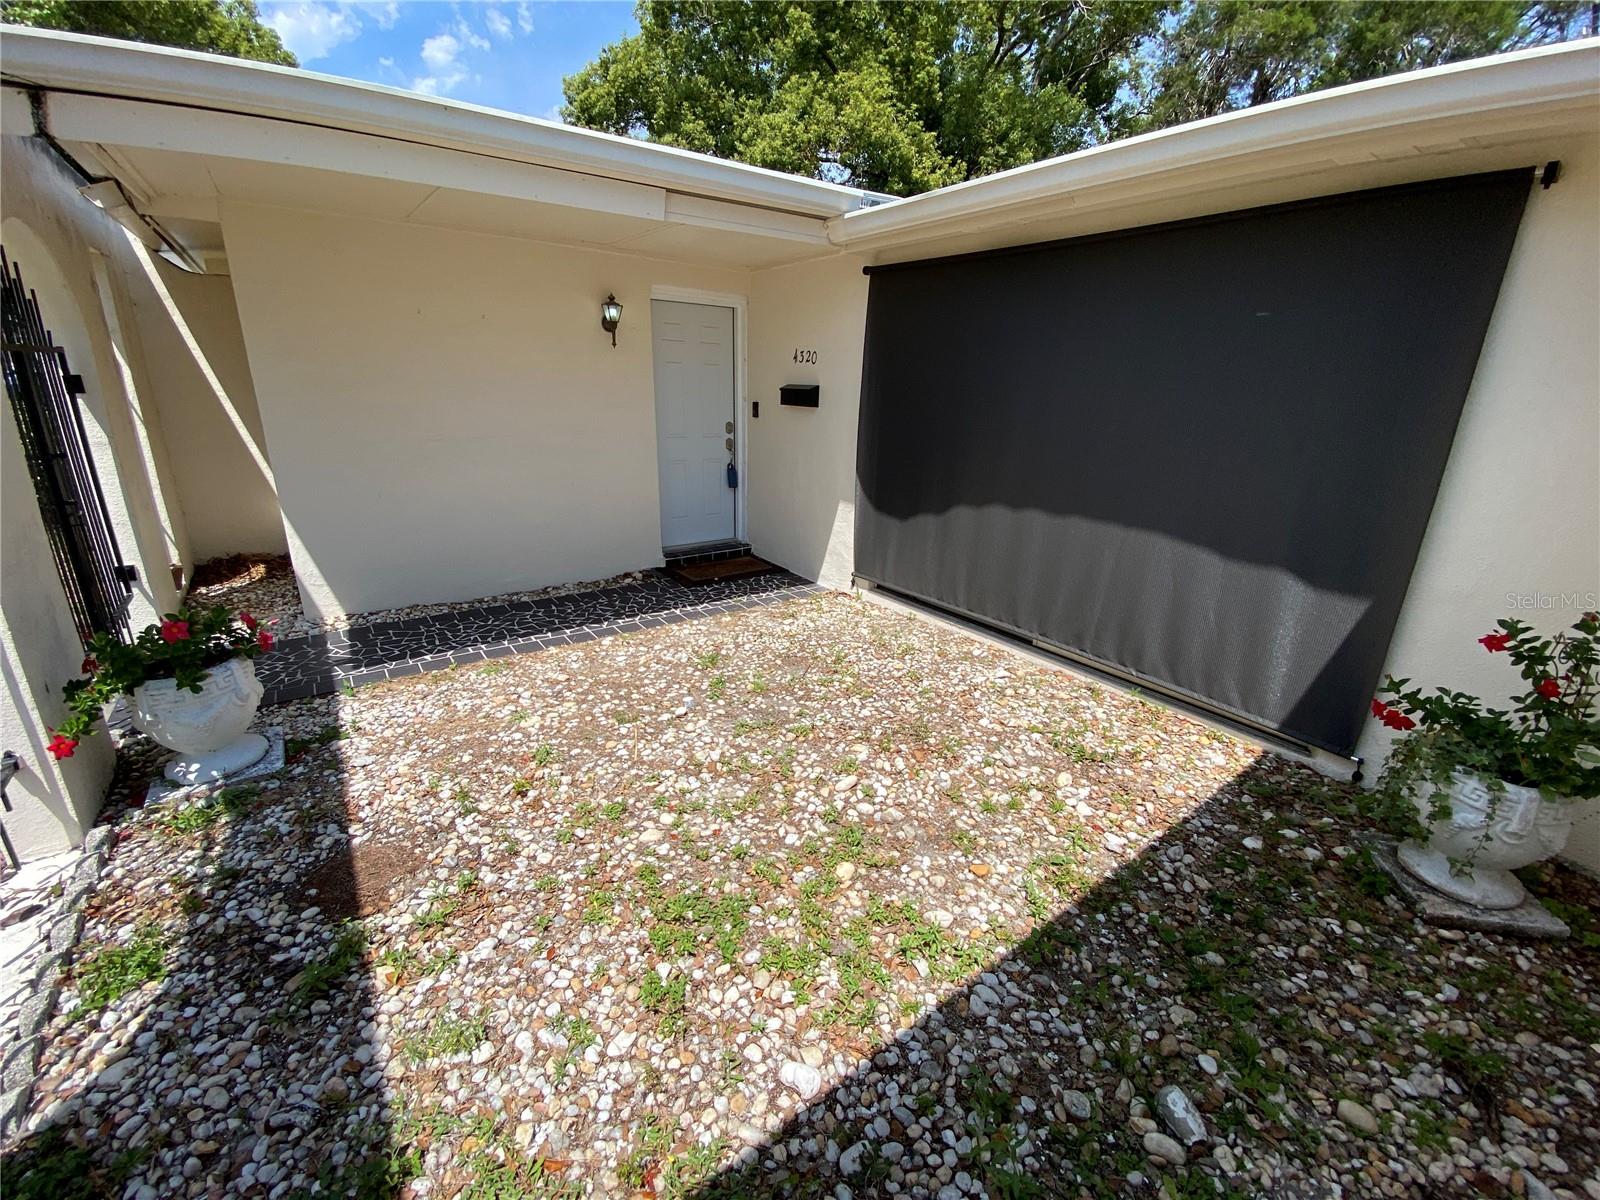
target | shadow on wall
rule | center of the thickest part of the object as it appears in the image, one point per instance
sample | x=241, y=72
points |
x=820, y=550
x=117, y=431
x=36, y=784
x=211, y=419
x=223, y=1039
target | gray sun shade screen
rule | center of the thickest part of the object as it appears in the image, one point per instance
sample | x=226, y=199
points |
x=1202, y=453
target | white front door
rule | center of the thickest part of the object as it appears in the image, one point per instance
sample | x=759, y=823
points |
x=693, y=345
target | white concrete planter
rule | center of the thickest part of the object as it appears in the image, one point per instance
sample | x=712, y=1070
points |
x=206, y=728
x=1520, y=827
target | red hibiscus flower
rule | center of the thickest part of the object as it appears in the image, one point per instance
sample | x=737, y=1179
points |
x=249, y=622
x=1548, y=688
x=90, y=665
x=61, y=747
x=1379, y=708
x=1395, y=719
x=265, y=640
x=1495, y=642
x=174, y=631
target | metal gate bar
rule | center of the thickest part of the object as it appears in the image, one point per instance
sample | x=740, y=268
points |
x=44, y=399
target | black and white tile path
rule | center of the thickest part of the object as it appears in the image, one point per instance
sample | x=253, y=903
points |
x=317, y=664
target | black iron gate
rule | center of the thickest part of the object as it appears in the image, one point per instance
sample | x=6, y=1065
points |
x=44, y=399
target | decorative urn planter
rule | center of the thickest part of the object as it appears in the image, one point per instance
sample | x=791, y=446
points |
x=207, y=728
x=1471, y=852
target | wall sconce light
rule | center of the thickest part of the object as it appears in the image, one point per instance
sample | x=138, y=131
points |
x=611, y=317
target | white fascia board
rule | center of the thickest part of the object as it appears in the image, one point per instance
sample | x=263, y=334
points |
x=100, y=66
x=73, y=117
x=1556, y=78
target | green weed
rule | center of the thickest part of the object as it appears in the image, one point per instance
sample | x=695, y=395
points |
x=110, y=972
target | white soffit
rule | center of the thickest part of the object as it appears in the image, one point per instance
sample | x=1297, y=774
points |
x=477, y=212
x=178, y=162
x=132, y=125
x=720, y=247
x=193, y=82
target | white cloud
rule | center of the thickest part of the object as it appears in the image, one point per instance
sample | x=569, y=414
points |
x=312, y=30
x=499, y=24
x=525, y=17
x=386, y=15
x=470, y=36
x=440, y=51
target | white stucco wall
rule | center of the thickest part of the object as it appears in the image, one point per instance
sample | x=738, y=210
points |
x=78, y=262
x=53, y=803
x=55, y=236
x=1518, y=511
x=444, y=416
x=802, y=461
x=191, y=326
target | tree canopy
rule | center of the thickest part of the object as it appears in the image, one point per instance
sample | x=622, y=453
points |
x=1225, y=54
x=904, y=97
x=231, y=27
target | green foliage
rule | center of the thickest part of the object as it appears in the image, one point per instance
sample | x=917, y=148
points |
x=447, y=1035
x=518, y=1179
x=1549, y=739
x=895, y=97
x=231, y=27
x=683, y=921
x=112, y=971
x=322, y=975
x=205, y=813
x=1218, y=55
x=193, y=818
x=580, y=1035
x=666, y=999
x=906, y=97
x=654, y=1140
x=1481, y=1073
x=446, y=902
x=296, y=746
x=49, y=1166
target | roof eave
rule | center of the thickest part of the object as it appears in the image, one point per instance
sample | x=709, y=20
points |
x=1550, y=77
x=101, y=66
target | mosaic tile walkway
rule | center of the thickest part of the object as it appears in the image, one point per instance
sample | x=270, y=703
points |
x=317, y=664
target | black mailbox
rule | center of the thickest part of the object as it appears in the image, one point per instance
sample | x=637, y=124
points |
x=800, y=395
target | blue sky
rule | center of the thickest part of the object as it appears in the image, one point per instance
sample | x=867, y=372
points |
x=505, y=55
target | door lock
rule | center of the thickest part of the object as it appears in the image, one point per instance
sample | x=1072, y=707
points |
x=727, y=427
x=728, y=442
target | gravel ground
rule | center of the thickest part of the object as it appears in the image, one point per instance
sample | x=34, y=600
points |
x=819, y=900
x=264, y=586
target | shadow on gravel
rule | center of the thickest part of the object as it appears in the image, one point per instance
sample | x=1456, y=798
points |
x=218, y=1041
x=1267, y=981
x=1203, y=964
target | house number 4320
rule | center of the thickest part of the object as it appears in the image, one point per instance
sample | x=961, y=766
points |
x=805, y=356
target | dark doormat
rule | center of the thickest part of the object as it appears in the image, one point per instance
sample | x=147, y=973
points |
x=729, y=568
